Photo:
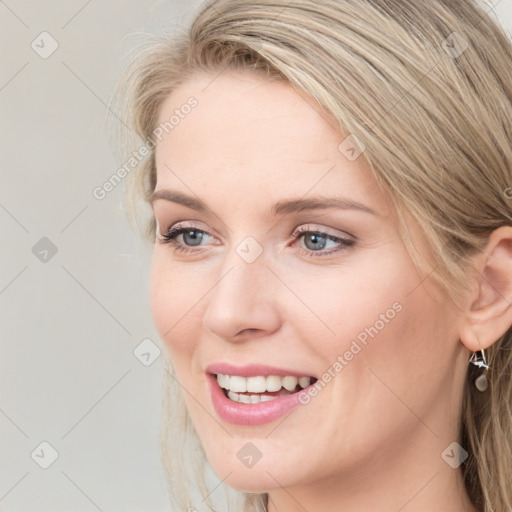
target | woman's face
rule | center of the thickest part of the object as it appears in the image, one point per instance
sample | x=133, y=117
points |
x=290, y=264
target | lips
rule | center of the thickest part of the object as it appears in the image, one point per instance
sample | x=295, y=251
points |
x=253, y=402
x=253, y=370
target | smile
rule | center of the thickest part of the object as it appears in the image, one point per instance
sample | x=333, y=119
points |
x=254, y=394
x=261, y=388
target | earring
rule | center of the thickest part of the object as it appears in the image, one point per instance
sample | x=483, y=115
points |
x=481, y=382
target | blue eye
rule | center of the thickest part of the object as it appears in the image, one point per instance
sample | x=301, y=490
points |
x=317, y=240
x=190, y=234
x=194, y=236
x=314, y=240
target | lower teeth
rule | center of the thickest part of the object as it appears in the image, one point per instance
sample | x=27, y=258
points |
x=249, y=399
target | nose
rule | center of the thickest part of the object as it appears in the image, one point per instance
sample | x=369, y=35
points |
x=243, y=302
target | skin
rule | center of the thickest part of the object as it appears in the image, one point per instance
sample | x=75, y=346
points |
x=372, y=439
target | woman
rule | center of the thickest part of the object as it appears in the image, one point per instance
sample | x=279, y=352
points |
x=331, y=212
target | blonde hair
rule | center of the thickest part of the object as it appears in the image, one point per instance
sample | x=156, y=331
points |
x=435, y=119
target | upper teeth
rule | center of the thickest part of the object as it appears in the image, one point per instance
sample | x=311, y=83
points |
x=261, y=384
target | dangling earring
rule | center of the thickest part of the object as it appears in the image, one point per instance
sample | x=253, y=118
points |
x=481, y=382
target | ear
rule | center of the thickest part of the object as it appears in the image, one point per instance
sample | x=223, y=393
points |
x=489, y=310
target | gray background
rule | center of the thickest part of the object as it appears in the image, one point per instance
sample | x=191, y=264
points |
x=70, y=321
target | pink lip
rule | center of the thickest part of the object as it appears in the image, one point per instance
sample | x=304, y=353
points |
x=252, y=370
x=249, y=414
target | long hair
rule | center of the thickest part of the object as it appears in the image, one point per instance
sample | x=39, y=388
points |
x=426, y=87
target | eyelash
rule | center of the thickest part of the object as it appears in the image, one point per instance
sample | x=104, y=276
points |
x=175, y=231
x=344, y=243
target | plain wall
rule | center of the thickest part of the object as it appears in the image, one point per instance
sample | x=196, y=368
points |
x=70, y=321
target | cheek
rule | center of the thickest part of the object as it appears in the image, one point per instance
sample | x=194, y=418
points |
x=405, y=333
x=377, y=316
x=174, y=298
x=358, y=300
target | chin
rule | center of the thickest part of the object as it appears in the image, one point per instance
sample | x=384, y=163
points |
x=251, y=481
x=263, y=476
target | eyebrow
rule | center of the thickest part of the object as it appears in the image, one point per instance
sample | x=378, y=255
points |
x=279, y=208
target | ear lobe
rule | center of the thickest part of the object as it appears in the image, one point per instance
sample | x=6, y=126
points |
x=489, y=312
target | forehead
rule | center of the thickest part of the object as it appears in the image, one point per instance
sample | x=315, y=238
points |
x=241, y=107
x=251, y=132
